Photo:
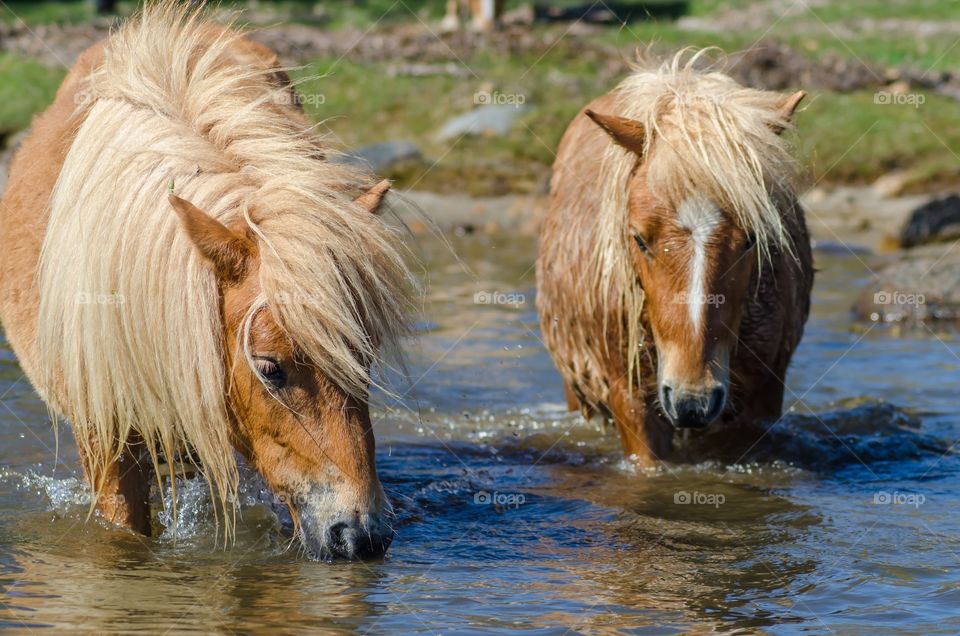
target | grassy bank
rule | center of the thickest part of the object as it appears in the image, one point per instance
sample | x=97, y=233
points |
x=843, y=137
x=26, y=87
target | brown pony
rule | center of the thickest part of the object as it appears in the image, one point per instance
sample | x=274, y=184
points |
x=186, y=274
x=486, y=14
x=674, y=271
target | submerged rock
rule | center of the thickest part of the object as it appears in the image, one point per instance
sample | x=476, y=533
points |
x=863, y=431
x=870, y=432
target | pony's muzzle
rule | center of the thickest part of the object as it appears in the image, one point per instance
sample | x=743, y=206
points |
x=355, y=541
x=329, y=535
x=692, y=409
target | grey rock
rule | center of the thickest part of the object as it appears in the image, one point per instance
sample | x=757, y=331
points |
x=489, y=119
x=923, y=285
x=378, y=157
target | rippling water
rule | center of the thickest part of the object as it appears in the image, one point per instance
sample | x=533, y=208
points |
x=514, y=514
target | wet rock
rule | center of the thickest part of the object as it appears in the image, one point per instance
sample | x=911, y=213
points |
x=490, y=119
x=855, y=431
x=921, y=286
x=869, y=432
x=379, y=157
x=858, y=216
x=934, y=222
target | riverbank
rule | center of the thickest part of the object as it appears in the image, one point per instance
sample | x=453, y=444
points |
x=483, y=112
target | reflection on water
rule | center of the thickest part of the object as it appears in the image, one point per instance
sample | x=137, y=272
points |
x=514, y=514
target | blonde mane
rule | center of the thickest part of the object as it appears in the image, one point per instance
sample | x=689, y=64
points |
x=130, y=335
x=705, y=134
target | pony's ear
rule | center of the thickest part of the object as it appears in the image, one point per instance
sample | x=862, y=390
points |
x=787, y=106
x=226, y=250
x=627, y=133
x=373, y=198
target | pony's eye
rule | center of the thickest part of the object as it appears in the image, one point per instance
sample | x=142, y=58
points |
x=641, y=243
x=270, y=372
x=751, y=242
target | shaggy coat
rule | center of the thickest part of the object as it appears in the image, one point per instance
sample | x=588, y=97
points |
x=135, y=321
x=682, y=135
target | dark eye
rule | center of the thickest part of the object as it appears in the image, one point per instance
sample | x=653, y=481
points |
x=641, y=244
x=270, y=372
x=751, y=242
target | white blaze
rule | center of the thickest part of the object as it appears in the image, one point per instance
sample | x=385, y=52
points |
x=700, y=216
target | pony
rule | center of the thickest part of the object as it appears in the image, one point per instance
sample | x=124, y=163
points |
x=674, y=267
x=189, y=275
x=486, y=14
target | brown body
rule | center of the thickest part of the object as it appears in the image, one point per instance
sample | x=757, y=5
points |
x=311, y=438
x=753, y=333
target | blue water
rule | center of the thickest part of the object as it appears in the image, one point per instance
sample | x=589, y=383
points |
x=843, y=519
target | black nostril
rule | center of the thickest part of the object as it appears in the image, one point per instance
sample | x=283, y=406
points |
x=371, y=546
x=350, y=541
x=668, y=401
x=337, y=538
x=717, y=398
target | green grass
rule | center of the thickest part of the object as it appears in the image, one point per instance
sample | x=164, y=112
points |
x=26, y=87
x=851, y=138
x=842, y=137
x=848, y=30
x=13, y=11
x=336, y=13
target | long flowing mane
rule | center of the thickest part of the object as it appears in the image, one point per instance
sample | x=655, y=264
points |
x=130, y=329
x=704, y=133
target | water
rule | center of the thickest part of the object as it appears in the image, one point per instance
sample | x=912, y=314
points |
x=841, y=520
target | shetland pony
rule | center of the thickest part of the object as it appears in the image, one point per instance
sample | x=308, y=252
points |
x=674, y=268
x=486, y=14
x=186, y=275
